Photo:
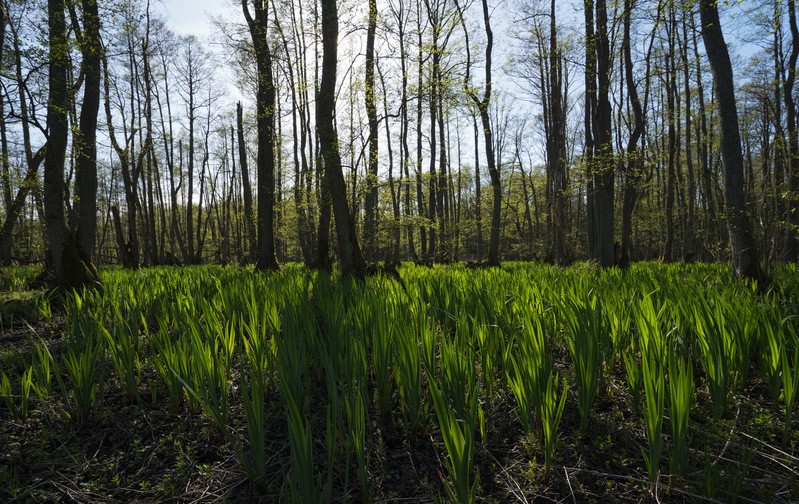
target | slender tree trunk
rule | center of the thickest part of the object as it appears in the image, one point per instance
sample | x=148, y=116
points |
x=478, y=208
x=370, y=205
x=670, y=75
x=421, y=210
x=634, y=161
x=689, y=237
x=249, y=217
x=590, y=106
x=792, y=251
x=557, y=152
x=708, y=193
x=483, y=104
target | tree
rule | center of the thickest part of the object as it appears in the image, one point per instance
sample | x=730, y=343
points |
x=370, y=205
x=745, y=262
x=349, y=252
x=634, y=165
x=793, y=135
x=482, y=105
x=258, y=22
x=14, y=206
x=71, y=268
x=556, y=147
x=86, y=137
x=603, y=157
x=249, y=225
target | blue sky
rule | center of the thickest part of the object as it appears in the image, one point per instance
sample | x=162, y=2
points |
x=192, y=16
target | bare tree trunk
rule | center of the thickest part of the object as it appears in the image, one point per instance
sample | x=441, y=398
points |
x=249, y=218
x=634, y=166
x=689, y=237
x=482, y=105
x=792, y=251
x=603, y=175
x=421, y=210
x=670, y=74
x=304, y=237
x=370, y=205
x=590, y=106
x=349, y=252
x=14, y=209
x=707, y=185
x=68, y=269
x=745, y=262
x=265, y=104
x=556, y=156
x=478, y=208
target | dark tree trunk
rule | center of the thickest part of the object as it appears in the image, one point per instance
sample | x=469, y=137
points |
x=265, y=109
x=704, y=158
x=632, y=176
x=604, y=162
x=349, y=252
x=745, y=262
x=370, y=205
x=556, y=155
x=478, y=206
x=69, y=270
x=14, y=209
x=670, y=74
x=249, y=218
x=689, y=235
x=792, y=251
x=482, y=105
x=85, y=139
x=590, y=106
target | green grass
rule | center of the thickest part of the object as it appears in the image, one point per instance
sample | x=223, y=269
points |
x=467, y=386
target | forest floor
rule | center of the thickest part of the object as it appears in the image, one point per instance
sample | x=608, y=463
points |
x=151, y=450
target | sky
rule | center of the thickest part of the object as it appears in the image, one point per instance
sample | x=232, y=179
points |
x=192, y=16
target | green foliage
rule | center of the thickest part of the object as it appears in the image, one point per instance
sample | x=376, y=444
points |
x=681, y=395
x=334, y=365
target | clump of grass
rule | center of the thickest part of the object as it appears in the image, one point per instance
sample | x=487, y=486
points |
x=715, y=352
x=790, y=384
x=652, y=342
x=681, y=394
x=587, y=330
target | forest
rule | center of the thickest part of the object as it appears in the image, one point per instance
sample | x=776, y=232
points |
x=566, y=139
x=399, y=250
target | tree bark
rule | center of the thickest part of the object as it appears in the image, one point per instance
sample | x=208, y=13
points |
x=370, y=205
x=603, y=174
x=745, y=262
x=265, y=109
x=632, y=175
x=349, y=252
x=68, y=268
x=590, y=106
x=556, y=152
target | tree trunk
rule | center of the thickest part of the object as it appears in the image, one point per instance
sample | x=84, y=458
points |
x=265, y=110
x=249, y=224
x=603, y=174
x=590, y=106
x=632, y=176
x=349, y=252
x=370, y=205
x=69, y=270
x=792, y=251
x=745, y=262
x=556, y=158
